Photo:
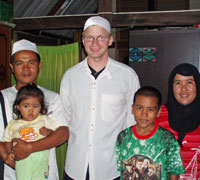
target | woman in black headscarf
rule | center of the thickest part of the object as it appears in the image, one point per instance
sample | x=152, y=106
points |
x=181, y=115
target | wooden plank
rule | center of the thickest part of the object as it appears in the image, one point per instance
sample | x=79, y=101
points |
x=39, y=40
x=5, y=44
x=132, y=6
x=51, y=22
x=139, y=19
x=157, y=18
x=105, y=6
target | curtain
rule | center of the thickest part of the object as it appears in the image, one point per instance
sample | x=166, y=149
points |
x=55, y=61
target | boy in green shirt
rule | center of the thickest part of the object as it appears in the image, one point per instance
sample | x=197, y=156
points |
x=148, y=142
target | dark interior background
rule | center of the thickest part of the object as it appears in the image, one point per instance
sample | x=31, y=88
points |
x=173, y=46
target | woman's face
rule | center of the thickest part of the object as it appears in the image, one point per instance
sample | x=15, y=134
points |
x=184, y=88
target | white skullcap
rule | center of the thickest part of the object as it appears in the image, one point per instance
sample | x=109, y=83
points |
x=98, y=21
x=24, y=45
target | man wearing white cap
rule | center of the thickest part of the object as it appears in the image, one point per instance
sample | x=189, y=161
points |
x=25, y=65
x=97, y=95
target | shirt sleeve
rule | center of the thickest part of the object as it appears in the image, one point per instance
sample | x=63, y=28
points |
x=1, y=125
x=50, y=123
x=8, y=100
x=8, y=135
x=55, y=109
x=134, y=86
x=65, y=93
x=174, y=162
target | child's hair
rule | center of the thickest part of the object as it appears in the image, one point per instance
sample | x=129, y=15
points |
x=30, y=90
x=149, y=91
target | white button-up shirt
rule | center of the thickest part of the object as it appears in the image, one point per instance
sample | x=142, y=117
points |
x=97, y=110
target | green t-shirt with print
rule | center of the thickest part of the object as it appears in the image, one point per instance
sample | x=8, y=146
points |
x=151, y=157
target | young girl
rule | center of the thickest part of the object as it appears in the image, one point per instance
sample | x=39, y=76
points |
x=30, y=124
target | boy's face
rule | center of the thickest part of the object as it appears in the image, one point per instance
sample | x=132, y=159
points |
x=145, y=111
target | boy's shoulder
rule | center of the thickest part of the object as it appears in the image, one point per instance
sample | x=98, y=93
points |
x=163, y=130
x=126, y=133
x=165, y=133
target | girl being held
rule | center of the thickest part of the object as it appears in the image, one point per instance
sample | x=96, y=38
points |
x=30, y=124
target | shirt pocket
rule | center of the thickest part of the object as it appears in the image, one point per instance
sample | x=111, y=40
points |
x=112, y=106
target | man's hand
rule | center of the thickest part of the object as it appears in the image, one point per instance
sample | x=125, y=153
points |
x=22, y=149
x=45, y=131
x=10, y=161
x=11, y=164
x=173, y=177
x=3, y=152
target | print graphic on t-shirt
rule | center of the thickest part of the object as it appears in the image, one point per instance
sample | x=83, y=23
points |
x=27, y=134
x=140, y=167
x=192, y=168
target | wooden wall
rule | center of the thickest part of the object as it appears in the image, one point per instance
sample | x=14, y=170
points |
x=5, y=50
x=173, y=46
x=122, y=37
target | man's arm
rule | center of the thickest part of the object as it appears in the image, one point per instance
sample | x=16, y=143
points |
x=10, y=159
x=3, y=153
x=23, y=149
x=173, y=177
x=8, y=146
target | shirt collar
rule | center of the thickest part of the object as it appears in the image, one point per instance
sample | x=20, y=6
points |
x=106, y=71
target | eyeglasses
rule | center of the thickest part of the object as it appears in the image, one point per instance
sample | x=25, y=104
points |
x=100, y=38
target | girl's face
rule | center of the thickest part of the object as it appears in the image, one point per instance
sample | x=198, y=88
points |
x=29, y=108
x=184, y=88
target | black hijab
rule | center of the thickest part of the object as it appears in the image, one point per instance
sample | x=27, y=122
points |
x=183, y=118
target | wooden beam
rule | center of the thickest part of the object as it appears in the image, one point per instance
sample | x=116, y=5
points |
x=105, y=6
x=157, y=18
x=39, y=40
x=50, y=22
x=117, y=20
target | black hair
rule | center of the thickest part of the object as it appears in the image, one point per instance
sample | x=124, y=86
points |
x=12, y=58
x=149, y=91
x=30, y=90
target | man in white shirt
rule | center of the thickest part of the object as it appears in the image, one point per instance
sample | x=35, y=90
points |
x=97, y=95
x=25, y=65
